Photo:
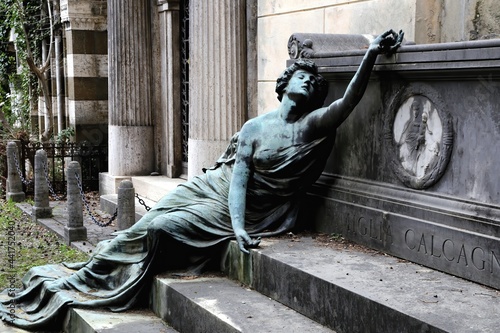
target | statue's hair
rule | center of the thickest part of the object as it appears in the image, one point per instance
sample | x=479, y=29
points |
x=320, y=88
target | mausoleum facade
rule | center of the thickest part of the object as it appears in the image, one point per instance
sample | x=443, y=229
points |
x=168, y=82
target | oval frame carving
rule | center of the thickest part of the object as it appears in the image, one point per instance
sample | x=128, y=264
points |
x=416, y=163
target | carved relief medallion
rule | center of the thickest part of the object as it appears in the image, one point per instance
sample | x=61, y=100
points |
x=419, y=136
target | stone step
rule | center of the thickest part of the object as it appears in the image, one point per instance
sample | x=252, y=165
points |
x=109, y=203
x=92, y=321
x=154, y=188
x=149, y=188
x=353, y=289
x=216, y=304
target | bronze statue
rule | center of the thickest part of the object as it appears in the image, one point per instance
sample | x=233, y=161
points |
x=252, y=191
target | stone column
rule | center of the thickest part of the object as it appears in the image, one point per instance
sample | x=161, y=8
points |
x=74, y=230
x=131, y=140
x=14, y=184
x=41, y=207
x=217, y=80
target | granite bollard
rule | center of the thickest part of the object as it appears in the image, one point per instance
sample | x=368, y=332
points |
x=14, y=184
x=41, y=207
x=75, y=230
x=126, y=205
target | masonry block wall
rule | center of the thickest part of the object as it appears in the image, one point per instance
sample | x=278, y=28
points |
x=424, y=21
x=86, y=68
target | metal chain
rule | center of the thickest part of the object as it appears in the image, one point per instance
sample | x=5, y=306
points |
x=82, y=193
x=142, y=202
x=49, y=184
x=25, y=182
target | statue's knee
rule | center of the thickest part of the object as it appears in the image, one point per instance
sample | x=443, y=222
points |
x=154, y=226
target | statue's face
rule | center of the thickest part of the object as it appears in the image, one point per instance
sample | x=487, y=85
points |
x=416, y=108
x=301, y=83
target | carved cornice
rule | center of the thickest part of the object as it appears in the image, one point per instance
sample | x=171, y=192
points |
x=309, y=45
x=84, y=15
x=85, y=23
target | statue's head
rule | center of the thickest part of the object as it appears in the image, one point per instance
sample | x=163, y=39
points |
x=320, y=87
x=416, y=107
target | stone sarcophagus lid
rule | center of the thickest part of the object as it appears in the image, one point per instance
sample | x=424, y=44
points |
x=415, y=168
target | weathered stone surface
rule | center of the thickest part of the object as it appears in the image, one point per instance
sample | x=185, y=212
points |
x=84, y=15
x=354, y=289
x=220, y=305
x=423, y=21
x=486, y=20
x=86, y=83
x=74, y=230
x=130, y=83
x=438, y=205
x=87, y=65
x=14, y=184
x=168, y=82
x=88, y=42
x=126, y=205
x=90, y=321
x=41, y=206
x=217, y=89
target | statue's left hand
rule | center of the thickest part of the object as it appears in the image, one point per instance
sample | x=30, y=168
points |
x=388, y=42
x=244, y=240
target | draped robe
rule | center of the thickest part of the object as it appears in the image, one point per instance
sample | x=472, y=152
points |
x=193, y=219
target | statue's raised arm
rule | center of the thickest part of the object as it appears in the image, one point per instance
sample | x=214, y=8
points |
x=332, y=116
x=294, y=127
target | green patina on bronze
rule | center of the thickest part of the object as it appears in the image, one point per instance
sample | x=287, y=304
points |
x=253, y=191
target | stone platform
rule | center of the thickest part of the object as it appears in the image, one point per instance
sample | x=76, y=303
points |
x=301, y=284
x=308, y=283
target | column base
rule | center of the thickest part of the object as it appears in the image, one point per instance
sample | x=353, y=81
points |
x=16, y=196
x=131, y=150
x=41, y=212
x=74, y=234
x=203, y=154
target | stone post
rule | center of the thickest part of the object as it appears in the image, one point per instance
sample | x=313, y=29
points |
x=126, y=205
x=41, y=207
x=75, y=230
x=14, y=184
x=217, y=79
x=131, y=135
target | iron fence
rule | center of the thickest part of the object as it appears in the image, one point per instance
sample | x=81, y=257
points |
x=93, y=160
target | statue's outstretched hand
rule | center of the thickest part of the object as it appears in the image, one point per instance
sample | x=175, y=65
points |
x=244, y=241
x=388, y=42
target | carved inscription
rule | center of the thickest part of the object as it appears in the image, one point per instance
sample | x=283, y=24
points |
x=452, y=251
x=378, y=229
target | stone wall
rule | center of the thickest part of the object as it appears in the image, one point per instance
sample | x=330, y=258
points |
x=413, y=171
x=424, y=21
x=86, y=41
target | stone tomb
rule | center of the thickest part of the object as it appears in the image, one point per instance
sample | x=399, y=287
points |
x=414, y=171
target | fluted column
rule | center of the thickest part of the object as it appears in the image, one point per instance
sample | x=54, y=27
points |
x=217, y=80
x=131, y=141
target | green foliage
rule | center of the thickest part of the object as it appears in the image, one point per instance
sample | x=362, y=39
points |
x=24, y=20
x=65, y=135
